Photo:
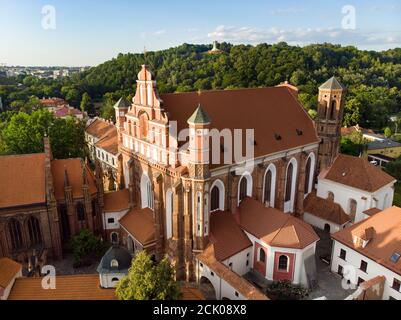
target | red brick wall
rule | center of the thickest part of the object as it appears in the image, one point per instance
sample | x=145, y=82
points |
x=258, y=265
x=281, y=274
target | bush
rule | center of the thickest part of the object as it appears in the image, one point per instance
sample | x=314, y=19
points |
x=285, y=290
x=86, y=246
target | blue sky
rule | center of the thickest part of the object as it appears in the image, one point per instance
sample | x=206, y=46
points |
x=88, y=32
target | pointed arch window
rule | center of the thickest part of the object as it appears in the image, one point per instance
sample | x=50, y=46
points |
x=332, y=110
x=14, y=229
x=308, y=175
x=35, y=235
x=268, y=186
x=198, y=214
x=169, y=213
x=288, y=185
x=243, y=189
x=215, y=204
x=262, y=255
x=80, y=211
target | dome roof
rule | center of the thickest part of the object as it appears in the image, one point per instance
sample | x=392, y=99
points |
x=115, y=260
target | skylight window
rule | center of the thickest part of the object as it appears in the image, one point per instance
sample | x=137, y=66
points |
x=395, y=257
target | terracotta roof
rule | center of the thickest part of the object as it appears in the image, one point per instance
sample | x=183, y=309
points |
x=226, y=235
x=66, y=111
x=8, y=270
x=116, y=201
x=228, y=109
x=385, y=227
x=189, y=293
x=109, y=141
x=74, y=171
x=71, y=287
x=53, y=102
x=275, y=228
x=357, y=173
x=22, y=180
x=99, y=127
x=140, y=224
x=372, y=211
x=346, y=131
x=239, y=283
x=325, y=209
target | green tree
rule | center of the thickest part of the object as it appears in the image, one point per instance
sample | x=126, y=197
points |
x=86, y=102
x=146, y=281
x=387, y=132
x=86, y=246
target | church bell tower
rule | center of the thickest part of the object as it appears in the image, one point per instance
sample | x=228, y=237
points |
x=329, y=120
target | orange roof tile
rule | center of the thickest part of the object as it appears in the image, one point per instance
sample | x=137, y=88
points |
x=74, y=170
x=109, y=141
x=274, y=227
x=140, y=224
x=8, y=270
x=325, y=209
x=189, y=293
x=227, y=108
x=71, y=287
x=116, y=201
x=372, y=211
x=239, y=283
x=99, y=128
x=386, y=237
x=22, y=180
x=226, y=235
x=357, y=173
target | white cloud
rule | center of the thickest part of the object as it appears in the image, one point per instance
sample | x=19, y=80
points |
x=159, y=32
x=302, y=36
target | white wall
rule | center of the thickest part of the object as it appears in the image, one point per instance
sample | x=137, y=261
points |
x=116, y=215
x=343, y=193
x=106, y=279
x=353, y=258
x=239, y=261
x=320, y=223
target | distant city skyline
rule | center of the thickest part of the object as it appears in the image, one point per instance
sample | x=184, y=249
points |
x=76, y=33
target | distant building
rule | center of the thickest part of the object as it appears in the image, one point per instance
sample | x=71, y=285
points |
x=384, y=151
x=60, y=108
x=371, y=249
x=367, y=134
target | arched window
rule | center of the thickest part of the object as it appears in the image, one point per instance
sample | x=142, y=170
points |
x=268, y=187
x=14, y=229
x=330, y=196
x=114, y=263
x=262, y=255
x=198, y=214
x=206, y=214
x=283, y=263
x=217, y=195
x=288, y=185
x=352, y=208
x=143, y=124
x=35, y=235
x=245, y=187
x=290, y=180
x=114, y=237
x=332, y=110
x=169, y=213
x=80, y=211
x=308, y=177
x=115, y=280
x=146, y=192
x=215, y=205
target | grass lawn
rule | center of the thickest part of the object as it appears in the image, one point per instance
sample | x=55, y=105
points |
x=397, y=194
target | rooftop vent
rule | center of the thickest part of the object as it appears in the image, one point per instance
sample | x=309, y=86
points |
x=277, y=136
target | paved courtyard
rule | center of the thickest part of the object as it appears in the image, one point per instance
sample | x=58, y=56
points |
x=329, y=284
x=65, y=266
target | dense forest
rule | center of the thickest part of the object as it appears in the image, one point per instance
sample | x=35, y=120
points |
x=373, y=78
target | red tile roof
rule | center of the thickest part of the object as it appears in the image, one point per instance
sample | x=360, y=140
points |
x=385, y=228
x=229, y=108
x=22, y=180
x=99, y=128
x=325, y=209
x=240, y=284
x=140, y=224
x=74, y=170
x=71, y=287
x=109, y=141
x=357, y=173
x=116, y=201
x=226, y=235
x=275, y=228
x=66, y=111
x=8, y=270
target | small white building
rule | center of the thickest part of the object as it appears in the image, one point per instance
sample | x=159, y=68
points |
x=370, y=249
x=9, y=271
x=353, y=183
x=114, y=266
